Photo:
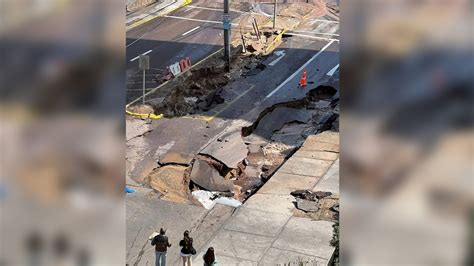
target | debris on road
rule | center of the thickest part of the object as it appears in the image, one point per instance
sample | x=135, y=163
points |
x=307, y=205
x=207, y=177
x=237, y=164
x=231, y=142
x=175, y=158
x=209, y=199
x=318, y=205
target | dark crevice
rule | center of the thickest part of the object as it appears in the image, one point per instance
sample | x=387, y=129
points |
x=175, y=164
x=314, y=95
x=141, y=135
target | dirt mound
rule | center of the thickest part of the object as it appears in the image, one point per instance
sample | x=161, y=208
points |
x=171, y=181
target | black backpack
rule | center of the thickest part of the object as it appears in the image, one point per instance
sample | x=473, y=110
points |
x=159, y=242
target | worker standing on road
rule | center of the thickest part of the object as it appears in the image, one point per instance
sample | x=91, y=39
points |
x=161, y=247
x=187, y=250
x=209, y=258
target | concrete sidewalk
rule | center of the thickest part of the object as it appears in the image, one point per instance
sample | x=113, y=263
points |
x=147, y=213
x=153, y=11
x=265, y=231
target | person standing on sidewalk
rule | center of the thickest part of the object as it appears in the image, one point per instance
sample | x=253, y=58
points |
x=209, y=258
x=161, y=244
x=187, y=250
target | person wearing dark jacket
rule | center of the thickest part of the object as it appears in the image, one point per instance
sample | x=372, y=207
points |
x=161, y=244
x=187, y=250
x=209, y=258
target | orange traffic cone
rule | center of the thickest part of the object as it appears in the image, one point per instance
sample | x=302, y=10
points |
x=303, y=81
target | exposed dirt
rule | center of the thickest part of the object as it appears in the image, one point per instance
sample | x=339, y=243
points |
x=316, y=205
x=171, y=182
x=178, y=175
x=199, y=88
x=141, y=109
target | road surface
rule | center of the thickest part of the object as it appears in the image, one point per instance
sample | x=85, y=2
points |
x=188, y=32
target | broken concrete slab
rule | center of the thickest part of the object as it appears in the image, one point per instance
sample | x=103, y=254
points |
x=252, y=171
x=307, y=236
x=310, y=195
x=307, y=205
x=209, y=178
x=248, y=183
x=291, y=134
x=326, y=118
x=169, y=180
x=257, y=222
x=254, y=148
x=275, y=120
x=256, y=140
x=220, y=150
x=318, y=105
x=175, y=158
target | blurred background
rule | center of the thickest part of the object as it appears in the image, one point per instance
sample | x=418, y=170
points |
x=62, y=88
x=406, y=133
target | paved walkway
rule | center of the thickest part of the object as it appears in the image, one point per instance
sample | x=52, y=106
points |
x=264, y=230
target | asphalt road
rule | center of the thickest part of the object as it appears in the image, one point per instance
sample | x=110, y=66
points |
x=166, y=40
x=245, y=99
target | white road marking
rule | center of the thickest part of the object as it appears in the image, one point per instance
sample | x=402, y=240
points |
x=199, y=20
x=280, y=55
x=191, y=30
x=135, y=41
x=332, y=71
x=145, y=53
x=298, y=71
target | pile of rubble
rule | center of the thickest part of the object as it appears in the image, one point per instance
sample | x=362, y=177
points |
x=250, y=157
x=199, y=88
x=317, y=205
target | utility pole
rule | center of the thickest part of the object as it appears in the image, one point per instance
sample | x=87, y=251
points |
x=144, y=63
x=274, y=14
x=226, y=26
